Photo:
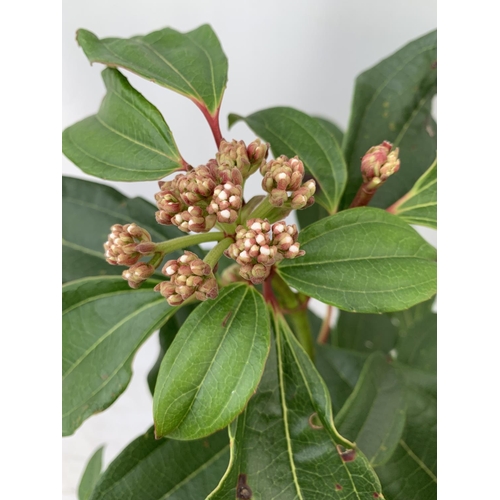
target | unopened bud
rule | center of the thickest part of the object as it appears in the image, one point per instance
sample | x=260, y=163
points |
x=138, y=273
x=121, y=247
x=379, y=163
x=257, y=152
x=226, y=202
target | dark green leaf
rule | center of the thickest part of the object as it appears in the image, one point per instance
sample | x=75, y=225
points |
x=285, y=442
x=167, y=334
x=365, y=332
x=332, y=128
x=374, y=415
x=192, y=64
x=104, y=323
x=363, y=260
x=127, y=140
x=311, y=214
x=89, y=210
x=213, y=365
x=420, y=204
x=90, y=475
x=291, y=132
x=411, y=471
x=392, y=102
x=151, y=469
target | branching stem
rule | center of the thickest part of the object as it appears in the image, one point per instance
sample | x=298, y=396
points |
x=185, y=241
x=215, y=254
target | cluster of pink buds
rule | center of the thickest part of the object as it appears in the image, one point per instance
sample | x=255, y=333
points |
x=226, y=202
x=284, y=175
x=196, y=200
x=126, y=244
x=258, y=246
x=379, y=163
x=189, y=275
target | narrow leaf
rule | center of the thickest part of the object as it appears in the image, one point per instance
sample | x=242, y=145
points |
x=151, y=469
x=104, y=323
x=363, y=260
x=419, y=206
x=90, y=475
x=374, y=415
x=89, y=210
x=291, y=132
x=192, y=64
x=284, y=445
x=128, y=139
x=392, y=101
x=213, y=365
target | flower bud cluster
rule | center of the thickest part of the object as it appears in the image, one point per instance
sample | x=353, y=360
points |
x=196, y=200
x=379, y=163
x=138, y=273
x=258, y=246
x=189, y=275
x=126, y=244
x=284, y=175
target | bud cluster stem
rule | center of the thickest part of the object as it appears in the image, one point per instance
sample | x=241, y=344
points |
x=215, y=254
x=185, y=241
x=264, y=210
x=363, y=196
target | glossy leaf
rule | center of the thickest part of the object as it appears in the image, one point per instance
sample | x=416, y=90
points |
x=392, y=101
x=213, y=365
x=90, y=475
x=374, y=415
x=285, y=442
x=310, y=215
x=332, y=128
x=127, y=140
x=420, y=204
x=363, y=260
x=291, y=132
x=89, y=210
x=167, y=334
x=151, y=469
x=411, y=471
x=192, y=64
x=104, y=323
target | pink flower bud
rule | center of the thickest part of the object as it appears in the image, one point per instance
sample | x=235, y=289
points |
x=379, y=163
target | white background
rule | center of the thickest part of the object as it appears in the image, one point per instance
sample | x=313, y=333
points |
x=300, y=54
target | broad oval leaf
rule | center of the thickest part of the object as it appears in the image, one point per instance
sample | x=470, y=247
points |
x=104, y=323
x=332, y=128
x=374, y=415
x=89, y=210
x=291, y=132
x=90, y=475
x=419, y=206
x=183, y=470
x=285, y=445
x=363, y=260
x=192, y=64
x=392, y=102
x=127, y=140
x=213, y=365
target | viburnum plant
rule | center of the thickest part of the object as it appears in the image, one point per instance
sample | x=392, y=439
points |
x=254, y=396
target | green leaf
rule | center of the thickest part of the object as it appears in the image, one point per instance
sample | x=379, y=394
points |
x=127, y=140
x=213, y=365
x=89, y=210
x=291, y=132
x=151, y=469
x=419, y=206
x=363, y=260
x=374, y=415
x=285, y=443
x=167, y=334
x=192, y=64
x=90, y=475
x=337, y=133
x=392, y=101
x=310, y=215
x=365, y=332
x=411, y=471
x=104, y=323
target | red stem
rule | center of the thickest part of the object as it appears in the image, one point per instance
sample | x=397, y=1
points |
x=324, y=333
x=213, y=122
x=392, y=209
x=268, y=292
x=363, y=196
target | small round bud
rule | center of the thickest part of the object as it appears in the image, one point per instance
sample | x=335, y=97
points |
x=138, y=273
x=379, y=163
x=121, y=247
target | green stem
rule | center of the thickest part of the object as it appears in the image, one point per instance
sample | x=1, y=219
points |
x=185, y=241
x=156, y=259
x=264, y=210
x=215, y=254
